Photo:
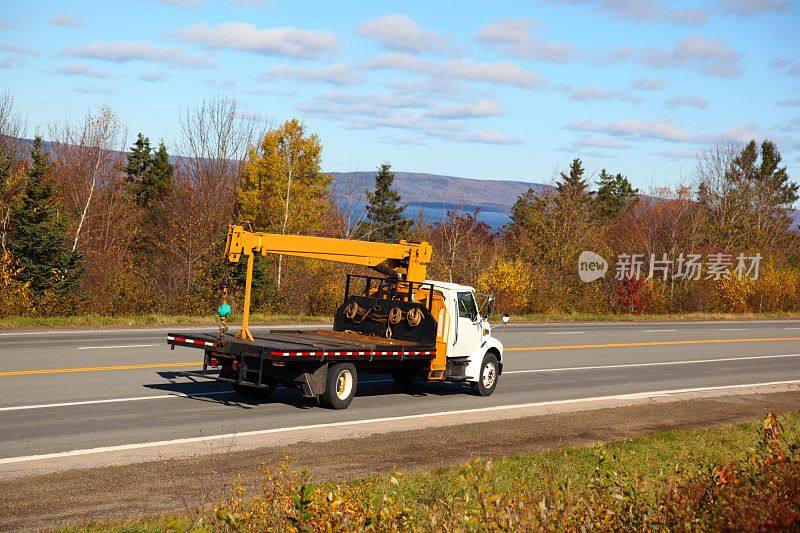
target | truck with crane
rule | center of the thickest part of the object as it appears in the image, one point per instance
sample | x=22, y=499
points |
x=397, y=323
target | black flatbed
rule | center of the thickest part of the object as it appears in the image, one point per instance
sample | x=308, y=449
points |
x=317, y=344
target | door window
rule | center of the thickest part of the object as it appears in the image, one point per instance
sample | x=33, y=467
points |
x=466, y=306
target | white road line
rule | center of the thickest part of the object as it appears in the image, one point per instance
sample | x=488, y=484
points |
x=791, y=328
x=115, y=400
x=565, y=332
x=732, y=329
x=658, y=330
x=120, y=346
x=139, y=398
x=190, y=440
x=661, y=363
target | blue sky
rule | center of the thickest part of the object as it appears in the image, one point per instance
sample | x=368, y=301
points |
x=482, y=89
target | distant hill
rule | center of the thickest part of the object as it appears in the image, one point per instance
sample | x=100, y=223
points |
x=435, y=194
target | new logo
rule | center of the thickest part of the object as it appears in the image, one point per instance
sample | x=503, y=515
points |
x=591, y=266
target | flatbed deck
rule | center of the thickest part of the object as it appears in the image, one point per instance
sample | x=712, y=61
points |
x=317, y=344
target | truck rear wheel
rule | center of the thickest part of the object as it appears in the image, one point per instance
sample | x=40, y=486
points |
x=487, y=379
x=340, y=387
x=260, y=393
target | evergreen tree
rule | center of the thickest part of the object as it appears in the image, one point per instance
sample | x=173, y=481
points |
x=139, y=161
x=385, y=221
x=614, y=193
x=573, y=185
x=157, y=180
x=39, y=240
x=149, y=175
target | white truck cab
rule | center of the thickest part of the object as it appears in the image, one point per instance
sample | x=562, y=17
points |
x=473, y=354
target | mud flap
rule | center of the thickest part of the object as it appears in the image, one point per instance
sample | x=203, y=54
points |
x=313, y=383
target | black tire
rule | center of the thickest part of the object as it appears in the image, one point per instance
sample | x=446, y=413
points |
x=259, y=393
x=340, y=387
x=487, y=379
x=404, y=377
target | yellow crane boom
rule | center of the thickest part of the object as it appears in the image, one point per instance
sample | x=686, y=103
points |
x=405, y=260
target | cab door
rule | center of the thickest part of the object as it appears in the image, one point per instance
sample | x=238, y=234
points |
x=467, y=334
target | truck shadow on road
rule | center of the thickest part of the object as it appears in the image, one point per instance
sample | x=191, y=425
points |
x=373, y=385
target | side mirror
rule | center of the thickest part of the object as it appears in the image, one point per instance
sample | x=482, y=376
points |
x=506, y=318
x=489, y=307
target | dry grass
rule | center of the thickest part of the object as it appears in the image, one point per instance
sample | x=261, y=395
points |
x=743, y=477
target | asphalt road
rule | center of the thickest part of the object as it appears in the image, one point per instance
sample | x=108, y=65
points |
x=76, y=390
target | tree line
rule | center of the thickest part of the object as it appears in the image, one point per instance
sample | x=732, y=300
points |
x=90, y=225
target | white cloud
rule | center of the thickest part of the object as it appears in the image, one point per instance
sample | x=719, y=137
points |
x=252, y=3
x=399, y=62
x=513, y=37
x=598, y=142
x=687, y=101
x=592, y=94
x=398, y=100
x=89, y=88
x=181, y=3
x=743, y=8
x=499, y=72
x=246, y=37
x=158, y=75
x=790, y=102
x=12, y=61
x=712, y=57
x=661, y=130
x=401, y=33
x=648, y=84
x=481, y=108
x=335, y=74
x=124, y=52
x=397, y=111
x=66, y=20
x=82, y=69
x=678, y=153
x=786, y=65
x=18, y=49
x=643, y=11
x=404, y=140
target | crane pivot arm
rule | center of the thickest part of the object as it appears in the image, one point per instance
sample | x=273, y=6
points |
x=403, y=260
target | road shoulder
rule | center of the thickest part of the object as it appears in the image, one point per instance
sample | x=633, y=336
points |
x=147, y=488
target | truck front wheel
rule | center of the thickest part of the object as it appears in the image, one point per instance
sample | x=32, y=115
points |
x=487, y=379
x=340, y=387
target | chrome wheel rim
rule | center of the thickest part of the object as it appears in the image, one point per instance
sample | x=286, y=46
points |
x=344, y=384
x=489, y=375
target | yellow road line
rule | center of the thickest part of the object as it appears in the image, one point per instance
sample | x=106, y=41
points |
x=647, y=343
x=94, y=369
x=46, y=371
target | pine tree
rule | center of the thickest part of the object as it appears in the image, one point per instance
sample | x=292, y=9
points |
x=157, y=180
x=573, y=184
x=614, y=193
x=149, y=175
x=385, y=221
x=39, y=240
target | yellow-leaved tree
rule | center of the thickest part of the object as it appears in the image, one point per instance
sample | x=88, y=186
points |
x=283, y=189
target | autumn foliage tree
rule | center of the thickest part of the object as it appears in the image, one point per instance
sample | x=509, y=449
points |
x=284, y=189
